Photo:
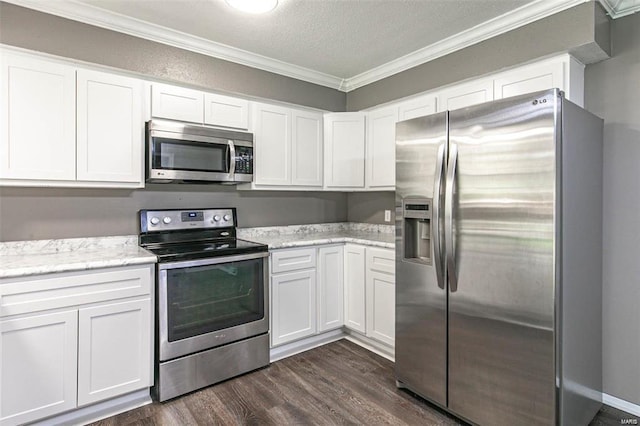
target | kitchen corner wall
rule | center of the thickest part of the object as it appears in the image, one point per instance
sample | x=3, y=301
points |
x=612, y=91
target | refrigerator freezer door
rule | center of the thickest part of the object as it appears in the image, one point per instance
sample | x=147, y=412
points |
x=501, y=314
x=421, y=300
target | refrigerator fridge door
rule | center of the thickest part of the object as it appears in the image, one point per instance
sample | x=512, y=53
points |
x=421, y=299
x=500, y=242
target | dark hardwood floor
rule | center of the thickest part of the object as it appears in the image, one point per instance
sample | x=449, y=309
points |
x=339, y=383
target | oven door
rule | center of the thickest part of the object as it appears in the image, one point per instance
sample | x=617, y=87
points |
x=211, y=302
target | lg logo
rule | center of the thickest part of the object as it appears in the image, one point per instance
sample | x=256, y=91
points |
x=539, y=101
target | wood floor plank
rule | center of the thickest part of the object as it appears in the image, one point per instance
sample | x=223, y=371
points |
x=335, y=384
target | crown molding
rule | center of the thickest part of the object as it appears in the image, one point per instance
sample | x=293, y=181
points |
x=98, y=17
x=538, y=9
x=620, y=8
x=519, y=17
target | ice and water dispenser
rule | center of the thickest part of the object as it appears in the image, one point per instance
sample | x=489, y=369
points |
x=417, y=224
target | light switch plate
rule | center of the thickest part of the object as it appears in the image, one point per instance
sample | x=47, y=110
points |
x=387, y=215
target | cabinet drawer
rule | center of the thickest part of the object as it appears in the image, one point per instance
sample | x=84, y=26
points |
x=70, y=289
x=381, y=260
x=293, y=260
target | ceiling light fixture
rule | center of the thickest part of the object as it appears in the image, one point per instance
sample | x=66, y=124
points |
x=253, y=6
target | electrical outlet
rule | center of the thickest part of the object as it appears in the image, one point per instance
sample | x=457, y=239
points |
x=387, y=215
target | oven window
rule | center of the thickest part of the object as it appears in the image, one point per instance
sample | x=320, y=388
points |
x=195, y=156
x=204, y=299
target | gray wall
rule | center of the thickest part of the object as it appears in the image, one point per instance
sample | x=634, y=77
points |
x=42, y=32
x=612, y=91
x=369, y=207
x=42, y=213
x=583, y=30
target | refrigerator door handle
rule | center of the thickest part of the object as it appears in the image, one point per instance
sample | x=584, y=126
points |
x=435, y=220
x=448, y=218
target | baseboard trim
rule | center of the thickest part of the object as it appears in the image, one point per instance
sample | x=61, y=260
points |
x=384, y=351
x=621, y=404
x=101, y=410
x=304, y=345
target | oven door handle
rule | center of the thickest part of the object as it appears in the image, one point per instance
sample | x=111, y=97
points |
x=211, y=261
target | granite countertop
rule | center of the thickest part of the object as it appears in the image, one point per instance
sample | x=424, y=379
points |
x=278, y=237
x=24, y=258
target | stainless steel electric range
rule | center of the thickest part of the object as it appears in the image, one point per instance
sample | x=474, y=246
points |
x=212, y=319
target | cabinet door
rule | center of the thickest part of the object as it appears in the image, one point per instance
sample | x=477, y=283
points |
x=381, y=148
x=38, y=119
x=115, y=351
x=354, y=288
x=344, y=150
x=39, y=366
x=465, y=95
x=381, y=307
x=529, y=79
x=330, y=288
x=306, y=148
x=418, y=107
x=110, y=136
x=272, y=145
x=226, y=111
x=177, y=103
x=293, y=306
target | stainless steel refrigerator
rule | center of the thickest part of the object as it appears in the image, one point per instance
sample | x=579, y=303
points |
x=499, y=261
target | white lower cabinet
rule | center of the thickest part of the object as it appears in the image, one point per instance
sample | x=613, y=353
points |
x=381, y=297
x=293, y=306
x=39, y=366
x=73, y=339
x=370, y=292
x=354, y=288
x=330, y=288
x=318, y=289
x=113, y=350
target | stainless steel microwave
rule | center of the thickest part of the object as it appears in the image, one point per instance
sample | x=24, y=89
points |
x=178, y=152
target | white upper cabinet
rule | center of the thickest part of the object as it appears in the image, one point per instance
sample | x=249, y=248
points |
x=38, y=108
x=177, y=103
x=63, y=126
x=563, y=72
x=287, y=147
x=467, y=94
x=272, y=144
x=195, y=106
x=381, y=149
x=418, y=107
x=344, y=156
x=306, y=148
x=110, y=132
x=225, y=111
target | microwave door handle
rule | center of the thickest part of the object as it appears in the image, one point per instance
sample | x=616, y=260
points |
x=232, y=157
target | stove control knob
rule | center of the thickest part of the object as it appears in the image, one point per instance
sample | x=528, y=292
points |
x=167, y=220
x=226, y=217
x=216, y=218
x=154, y=221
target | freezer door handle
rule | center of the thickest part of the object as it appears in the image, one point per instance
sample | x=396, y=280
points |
x=449, y=242
x=435, y=220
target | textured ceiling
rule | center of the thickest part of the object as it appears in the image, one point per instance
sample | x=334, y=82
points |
x=342, y=38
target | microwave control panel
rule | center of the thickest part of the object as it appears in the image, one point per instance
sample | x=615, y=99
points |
x=244, y=160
